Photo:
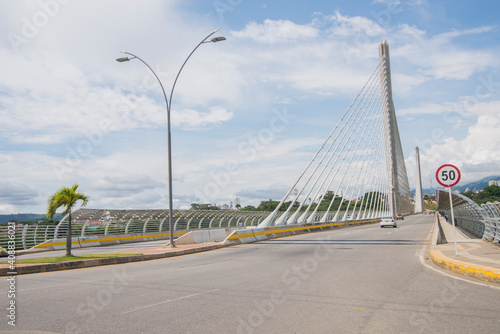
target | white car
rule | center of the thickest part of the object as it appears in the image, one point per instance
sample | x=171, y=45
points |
x=388, y=221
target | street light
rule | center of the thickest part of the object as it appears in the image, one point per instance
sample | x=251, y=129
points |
x=168, y=103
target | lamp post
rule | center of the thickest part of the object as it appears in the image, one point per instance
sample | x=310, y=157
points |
x=168, y=103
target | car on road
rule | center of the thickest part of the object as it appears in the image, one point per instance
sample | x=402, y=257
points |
x=388, y=221
x=400, y=217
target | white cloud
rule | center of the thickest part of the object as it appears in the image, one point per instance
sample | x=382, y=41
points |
x=455, y=64
x=344, y=26
x=438, y=57
x=428, y=108
x=276, y=31
x=117, y=185
x=411, y=31
x=13, y=193
x=8, y=209
x=189, y=118
x=476, y=149
x=445, y=37
x=388, y=2
x=55, y=88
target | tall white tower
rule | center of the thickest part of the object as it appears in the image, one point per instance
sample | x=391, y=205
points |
x=419, y=201
x=399, y=189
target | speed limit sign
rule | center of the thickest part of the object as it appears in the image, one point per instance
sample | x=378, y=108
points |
x=448, y=175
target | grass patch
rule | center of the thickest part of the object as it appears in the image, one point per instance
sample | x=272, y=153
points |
x=60, y=259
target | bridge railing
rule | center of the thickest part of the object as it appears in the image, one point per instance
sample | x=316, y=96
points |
x=89, y=222
x=482, y=221
x=492, y=229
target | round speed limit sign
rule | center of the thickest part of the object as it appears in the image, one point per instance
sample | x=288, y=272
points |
x=448, y=175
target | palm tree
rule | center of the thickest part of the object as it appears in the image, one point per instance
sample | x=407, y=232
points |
x=66, y=197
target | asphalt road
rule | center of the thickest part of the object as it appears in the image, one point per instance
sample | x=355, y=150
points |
x=357, y=280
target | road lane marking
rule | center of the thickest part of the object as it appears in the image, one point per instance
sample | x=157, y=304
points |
x=51, y=286
x=171, y=300
x=348, y=242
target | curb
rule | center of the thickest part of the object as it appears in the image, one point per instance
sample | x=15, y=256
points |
x=41, y=268
x=483, y=273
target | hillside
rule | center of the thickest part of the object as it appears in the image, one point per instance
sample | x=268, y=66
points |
x=21, y=217
x=478, y=185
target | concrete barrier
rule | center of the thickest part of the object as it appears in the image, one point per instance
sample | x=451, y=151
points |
x=203, y=236
x=437, y=234
x=259, y=234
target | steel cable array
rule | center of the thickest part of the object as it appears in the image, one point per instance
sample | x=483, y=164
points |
x=353, y=181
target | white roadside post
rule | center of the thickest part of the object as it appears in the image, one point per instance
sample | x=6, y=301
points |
x=449, y=176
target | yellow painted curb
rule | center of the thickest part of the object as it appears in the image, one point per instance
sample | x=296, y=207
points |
x=77, y=242
x=484, y=273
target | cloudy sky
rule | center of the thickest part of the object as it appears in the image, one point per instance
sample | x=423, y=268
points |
x=247, y=113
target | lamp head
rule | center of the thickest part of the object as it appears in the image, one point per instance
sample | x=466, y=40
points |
x=121, y=60
x=218, y=39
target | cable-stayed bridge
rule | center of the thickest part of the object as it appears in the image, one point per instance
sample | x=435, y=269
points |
x=359, y=171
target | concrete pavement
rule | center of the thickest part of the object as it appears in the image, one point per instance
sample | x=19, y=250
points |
x=474, y=257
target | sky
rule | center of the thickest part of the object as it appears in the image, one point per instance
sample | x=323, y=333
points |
x=247, y=113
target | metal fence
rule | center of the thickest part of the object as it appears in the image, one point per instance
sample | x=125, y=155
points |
x=88, y=222
x=482, y=221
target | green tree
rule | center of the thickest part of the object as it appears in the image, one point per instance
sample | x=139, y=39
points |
x=267, y=205
x=488, y=194
x=196, y=206
x=249, y=208
x=67, y=198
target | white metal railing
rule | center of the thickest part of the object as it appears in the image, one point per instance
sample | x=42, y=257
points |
x=481, y=220
x=87, y=222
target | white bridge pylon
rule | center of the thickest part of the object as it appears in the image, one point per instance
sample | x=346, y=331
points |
x=359, y=171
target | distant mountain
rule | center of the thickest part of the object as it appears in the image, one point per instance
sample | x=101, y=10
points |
x=473, y=186
x=478, y=185
x=21, y=217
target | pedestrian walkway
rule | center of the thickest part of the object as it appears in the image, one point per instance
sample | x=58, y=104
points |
x=474, y=257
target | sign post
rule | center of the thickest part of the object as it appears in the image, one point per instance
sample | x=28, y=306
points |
x=449, y=176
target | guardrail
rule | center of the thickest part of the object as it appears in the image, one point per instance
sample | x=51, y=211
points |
x=482, y=221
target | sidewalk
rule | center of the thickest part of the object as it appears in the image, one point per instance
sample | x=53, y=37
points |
x=142, y=254
x=475, y=257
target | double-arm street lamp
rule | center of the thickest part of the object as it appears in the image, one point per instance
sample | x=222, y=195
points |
x=168, y=103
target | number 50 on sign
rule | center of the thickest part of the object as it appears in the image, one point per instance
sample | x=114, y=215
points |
x=448, y=175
